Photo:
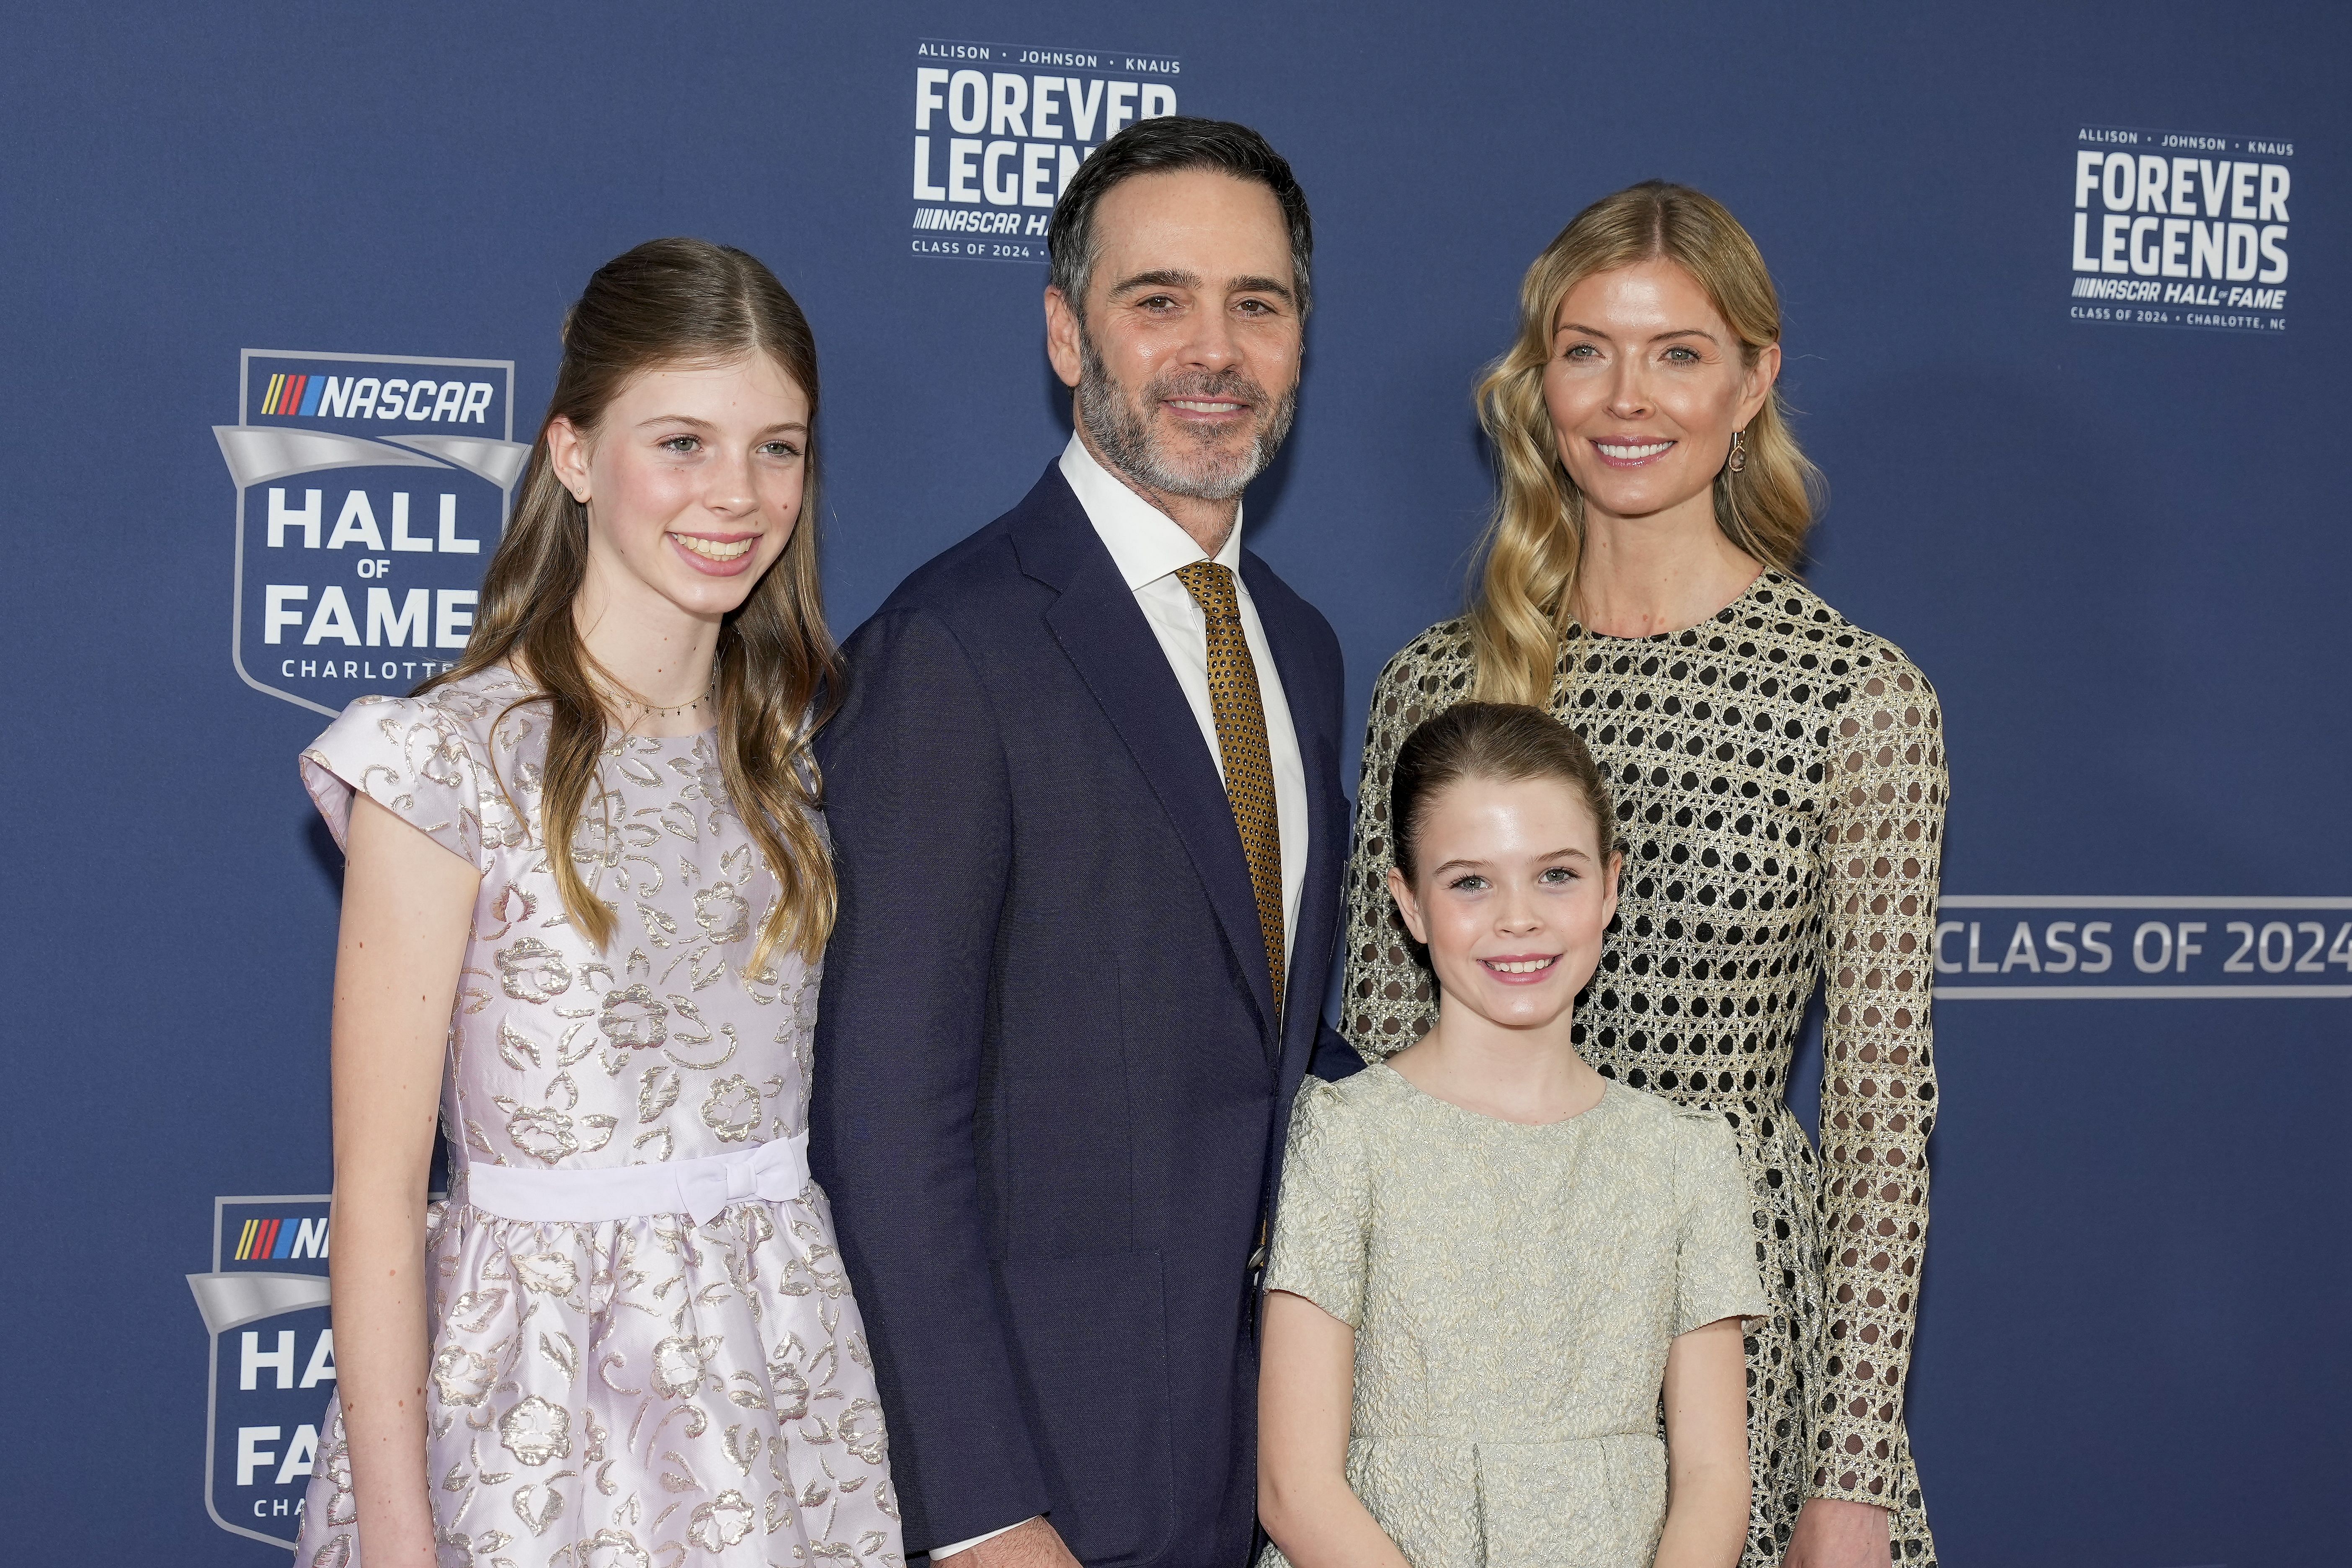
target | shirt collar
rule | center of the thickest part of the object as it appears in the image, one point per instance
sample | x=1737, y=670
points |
x=1145, y=543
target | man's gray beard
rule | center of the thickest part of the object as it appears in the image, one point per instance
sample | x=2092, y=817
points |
x=1127, y=443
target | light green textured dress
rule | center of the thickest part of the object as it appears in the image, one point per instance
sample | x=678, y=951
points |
x=1513, y=1290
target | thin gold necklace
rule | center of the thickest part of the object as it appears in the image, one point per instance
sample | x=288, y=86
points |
x=631, y=700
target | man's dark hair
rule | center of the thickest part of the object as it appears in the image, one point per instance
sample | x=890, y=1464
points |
x=1164, y=144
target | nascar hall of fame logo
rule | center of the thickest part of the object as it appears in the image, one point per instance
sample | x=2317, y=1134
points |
x=369, y=489
x=2050, y=947
x=1001, y=127
x=2173, y=229
x=273, y=1361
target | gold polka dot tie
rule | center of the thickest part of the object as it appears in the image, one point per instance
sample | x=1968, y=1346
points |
x=1241, y=742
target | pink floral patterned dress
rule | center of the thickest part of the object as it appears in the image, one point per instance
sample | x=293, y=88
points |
x=641, y=1391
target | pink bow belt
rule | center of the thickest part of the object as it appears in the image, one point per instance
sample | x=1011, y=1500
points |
x=776, y=1172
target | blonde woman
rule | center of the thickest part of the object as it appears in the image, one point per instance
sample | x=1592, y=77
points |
x=586, y=891
x=1779, y=778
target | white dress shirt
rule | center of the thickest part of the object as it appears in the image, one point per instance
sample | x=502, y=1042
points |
x=1147, y=546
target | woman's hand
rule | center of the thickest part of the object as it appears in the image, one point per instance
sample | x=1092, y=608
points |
x=407, y=909
x=1305, y=1396
x=1835, y=1533
x=1706, y=1448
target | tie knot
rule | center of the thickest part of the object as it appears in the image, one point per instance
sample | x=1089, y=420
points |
x=1212, y=587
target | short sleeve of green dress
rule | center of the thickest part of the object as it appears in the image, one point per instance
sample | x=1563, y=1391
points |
x=1323, y=1218
x=1717, y=1254
x=1513, y=1291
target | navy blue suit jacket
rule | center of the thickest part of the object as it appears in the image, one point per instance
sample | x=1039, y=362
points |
x=1050, y=1097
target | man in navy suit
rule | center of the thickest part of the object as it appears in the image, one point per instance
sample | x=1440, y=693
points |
x=1085, y=800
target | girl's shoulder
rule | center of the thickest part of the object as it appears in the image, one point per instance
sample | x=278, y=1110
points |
x=1673, y=1132
x=440, y=759
x=490, y=702
x=1353, y=1114
x=469, y=710
x=1348, y=1102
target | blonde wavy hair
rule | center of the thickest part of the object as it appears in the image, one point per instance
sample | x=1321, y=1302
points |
x=1523, y=604
x=778, y=674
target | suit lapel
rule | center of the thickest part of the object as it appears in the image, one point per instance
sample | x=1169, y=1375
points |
x=1312, y=708
x=1102, y=632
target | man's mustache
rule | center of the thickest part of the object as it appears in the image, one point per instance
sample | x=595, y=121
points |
x=1228, y=385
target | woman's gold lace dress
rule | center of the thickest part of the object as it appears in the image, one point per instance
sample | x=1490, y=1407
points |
x=1779, y=778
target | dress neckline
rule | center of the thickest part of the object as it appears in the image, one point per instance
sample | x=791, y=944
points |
x=1763, y=575
x=702, y=733
x=535, y=691
x=1610, y=1090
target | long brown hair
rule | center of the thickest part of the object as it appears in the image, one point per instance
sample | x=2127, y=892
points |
x=1527, y=592
x=777, y=671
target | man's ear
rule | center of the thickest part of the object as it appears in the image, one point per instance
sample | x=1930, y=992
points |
x=1408, y=906
x=1062, y=336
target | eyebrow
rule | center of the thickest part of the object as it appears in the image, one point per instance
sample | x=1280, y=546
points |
x=1171, y=278
x=1469, y=865
x=1163, y=278
x=798, y=425
x=1662, y=337
x=1261, y=285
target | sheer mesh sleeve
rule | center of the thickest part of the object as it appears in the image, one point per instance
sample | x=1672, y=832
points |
x=1389, y=1001
x=1881, y=843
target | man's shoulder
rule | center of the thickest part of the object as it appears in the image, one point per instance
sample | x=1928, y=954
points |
x=976, y=578
x=1275, y=597
x=969, y=575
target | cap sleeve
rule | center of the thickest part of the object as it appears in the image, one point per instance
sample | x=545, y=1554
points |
x=1714, y=1275
x=409, y=757
x=1322, y=1220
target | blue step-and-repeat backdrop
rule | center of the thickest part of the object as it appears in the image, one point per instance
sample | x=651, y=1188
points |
x=2067, y=322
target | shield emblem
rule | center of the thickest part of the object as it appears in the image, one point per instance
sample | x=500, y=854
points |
x=371, y=489
x=273, y=1361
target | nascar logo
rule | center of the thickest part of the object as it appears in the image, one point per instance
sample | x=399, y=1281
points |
x=270, y=1360
x=298, y=394
x=281, y=1238
x=371, y=489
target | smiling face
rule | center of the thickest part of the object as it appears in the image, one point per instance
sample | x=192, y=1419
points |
x=1186, y=357
x=692, y=480
x=1645, y=385
x=1510, y=896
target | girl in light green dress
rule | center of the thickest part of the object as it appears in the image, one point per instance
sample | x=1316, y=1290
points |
x=1493, y=1269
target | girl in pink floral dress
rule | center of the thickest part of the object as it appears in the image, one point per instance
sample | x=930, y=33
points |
x=626, y=1339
